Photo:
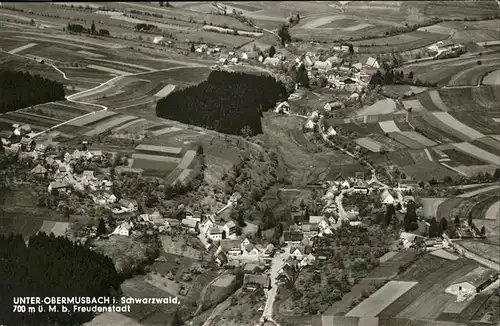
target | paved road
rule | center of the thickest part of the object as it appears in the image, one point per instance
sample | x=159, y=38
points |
x=276, y=264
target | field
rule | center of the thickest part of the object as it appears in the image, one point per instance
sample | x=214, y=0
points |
x=19, y=213
x=381, y=299
x=369, y=144
x=424, y=141
x=419, y=121
x=462, y=158
x=107, y=125
x=93, y=118
x=427, y=299
x=427, y=171
x=389, y=126
x=407, y=142
x=488, y=144
x=380, y=107
x=479, y=122
x=488, y=251
x=430, y=206
x=478, y=153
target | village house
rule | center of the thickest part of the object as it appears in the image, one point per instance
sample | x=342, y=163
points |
x=408, y=185
x=334, y=60
x=221, y=258
x=123, y=229
x=128, y=205
x=215, y=233
x=27, y=144
x=334, y=105
x=373, y=63
x=386, y=198
x=293, y=237
x=282, y=107
x=58, y=186
x=39, y=171
x=309, y=125
x=361, y=187
x=207, y=223
x=253, y=282
x=309, y=230
x=286, y=274
x=229, y=230
x=299, y=252
x=331, y=132
x=231, y=247
x=190, y=224
x=252, y=250
x=234, y=60
x=318, y=220
x=357, y=67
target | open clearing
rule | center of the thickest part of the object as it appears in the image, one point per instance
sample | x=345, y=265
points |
x=457, y=125
x=380, y=107
x=389, y=126
x=91, y=54
x=162, y=150
x=381, y=299
x=478, y=153
x=407, y=142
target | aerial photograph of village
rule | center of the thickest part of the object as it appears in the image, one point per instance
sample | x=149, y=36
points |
x=250, y=163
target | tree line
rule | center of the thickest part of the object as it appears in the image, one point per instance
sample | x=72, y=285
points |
x=21, y=89
x=51, y=266
x=227, y=102
x=77, y=28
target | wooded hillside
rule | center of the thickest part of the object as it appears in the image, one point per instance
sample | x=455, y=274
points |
x=21, y=89
x=231, y=103
x=47, y=267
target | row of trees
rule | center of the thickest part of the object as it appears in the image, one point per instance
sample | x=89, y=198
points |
x=77, y=28
x=51, y=266
x=21, y=89
x=226, y=102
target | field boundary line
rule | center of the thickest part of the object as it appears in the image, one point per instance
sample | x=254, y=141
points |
x=428, y=154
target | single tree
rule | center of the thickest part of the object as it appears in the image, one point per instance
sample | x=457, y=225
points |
x=298, y=18
x=483, y=230
x=160, y=3
x=192, y=47
x=434, y=230
x=496, y=174
x=272, y=51
x=284, y=35
x=410, y=76
x=443, y=223
x=92, y=28
x=101, y=227
x=457, y=221
x=351, y=49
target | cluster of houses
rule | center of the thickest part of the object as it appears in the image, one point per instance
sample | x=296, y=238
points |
x=446, y=49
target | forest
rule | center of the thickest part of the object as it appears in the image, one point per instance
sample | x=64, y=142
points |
x=21, y=89
x=227, y=102
x=51, y=266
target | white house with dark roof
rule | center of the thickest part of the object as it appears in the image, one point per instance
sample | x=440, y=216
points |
x=215, y=233
x=386, y=197
x=372, y=62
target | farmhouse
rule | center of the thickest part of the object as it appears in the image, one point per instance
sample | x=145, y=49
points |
x=357, y=66
x=334, y=60
x=386, y=197
x=190, y=224
x=27, y=143
x=286, y=274
x=128, y=205
x=229, y=229
x=215, y=233
x=408, y=185
x=123, y=229
x=283, y=107
x=253, y=268
x=208, y=223
x=269, y=250
x=234, y=60
x=253, y=282
x=372, y=62
x=231, y=247
x=318, y=220
x=331, y=132
x=252, y=249
x=309, y=125
x=300, y=252
x=58, y=186
x=310, y=230
x=333, y=106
